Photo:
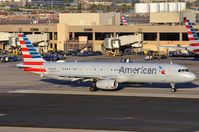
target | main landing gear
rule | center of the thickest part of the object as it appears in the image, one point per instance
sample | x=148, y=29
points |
x=93, y=88
x=173, y=88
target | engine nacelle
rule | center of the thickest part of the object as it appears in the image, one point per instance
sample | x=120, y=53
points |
x=107, y=84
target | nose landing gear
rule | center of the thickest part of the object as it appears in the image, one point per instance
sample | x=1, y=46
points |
x=173, y=88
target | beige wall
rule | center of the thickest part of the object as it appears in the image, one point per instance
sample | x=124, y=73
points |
x=1, y=46
x=63, y=36
x=90, y=18
x=28, y=28
x=172, y=17
x=109, y=19
x=97, y=45
x=165, y=17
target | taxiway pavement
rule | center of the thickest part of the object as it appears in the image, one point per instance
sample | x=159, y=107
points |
x=99, y=112
x=27, y=100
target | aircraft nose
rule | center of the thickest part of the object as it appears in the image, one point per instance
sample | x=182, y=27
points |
x=189, y=76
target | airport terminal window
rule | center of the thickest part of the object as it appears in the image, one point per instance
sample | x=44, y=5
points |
x=26, y=33
x=55, y=45
x=50, y=35
x=71, y=36
x=150, y=36
x=184, y=37
x=125, y=33
x=169, y=37
x=51, y=45
x=90, y=35
x=102, y=36
x=55, y=35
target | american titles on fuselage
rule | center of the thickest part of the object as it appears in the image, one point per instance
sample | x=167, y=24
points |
x=141, y=70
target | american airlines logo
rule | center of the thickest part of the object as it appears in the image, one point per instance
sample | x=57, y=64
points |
x=141, y=70
x=162, y=71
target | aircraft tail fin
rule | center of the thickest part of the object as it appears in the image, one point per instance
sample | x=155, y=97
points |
x=192, y=36
x=32, y=60
x=124, y=20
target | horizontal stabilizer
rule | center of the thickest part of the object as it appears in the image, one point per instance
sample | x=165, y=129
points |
x=21, y=65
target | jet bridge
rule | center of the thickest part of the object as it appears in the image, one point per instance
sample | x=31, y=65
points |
x=115, y=45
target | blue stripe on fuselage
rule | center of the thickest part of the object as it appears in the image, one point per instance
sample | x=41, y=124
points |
x=31, y=49
x=29, y=46
x=25, y=39
x=33, y=53
x=36, y=56
x=27, y=43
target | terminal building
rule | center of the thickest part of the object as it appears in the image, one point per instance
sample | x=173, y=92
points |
x=47, y=2
x=82, y=29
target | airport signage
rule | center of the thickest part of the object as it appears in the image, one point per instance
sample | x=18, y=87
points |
x=88, y=29
x=34, y=29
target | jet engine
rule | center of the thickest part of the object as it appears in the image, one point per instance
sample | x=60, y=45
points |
x=107, y=84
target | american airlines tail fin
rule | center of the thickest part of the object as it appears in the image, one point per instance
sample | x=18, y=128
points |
x=32, y=60
x=192, y=36
x=124, y=20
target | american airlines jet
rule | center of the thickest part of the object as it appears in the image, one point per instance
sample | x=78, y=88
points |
x=124, y=20
x=104, y=75
x=193, y=39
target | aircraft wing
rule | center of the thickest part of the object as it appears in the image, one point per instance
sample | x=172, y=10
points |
x=174, y=47
x=90, y=78
x=84, y=78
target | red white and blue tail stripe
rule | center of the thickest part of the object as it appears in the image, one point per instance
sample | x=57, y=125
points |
x=33, y=62
x=192, y=36
x=124, y=20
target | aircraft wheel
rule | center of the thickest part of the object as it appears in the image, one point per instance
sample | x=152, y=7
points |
x=93, y=89
x=173, y=90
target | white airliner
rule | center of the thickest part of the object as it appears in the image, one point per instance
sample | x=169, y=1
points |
x=193, y=39
x=104, y=75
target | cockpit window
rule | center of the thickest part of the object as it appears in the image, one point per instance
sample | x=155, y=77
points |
x=183, y=70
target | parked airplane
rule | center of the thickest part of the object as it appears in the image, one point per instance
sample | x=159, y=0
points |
x=124, y=20
x=104, y=75
x=193, y=39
